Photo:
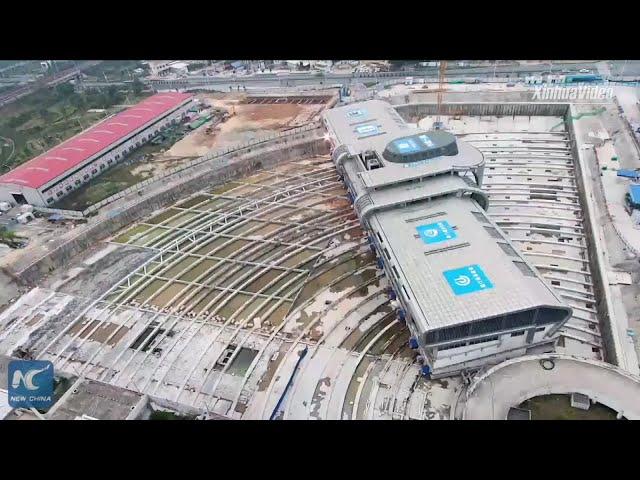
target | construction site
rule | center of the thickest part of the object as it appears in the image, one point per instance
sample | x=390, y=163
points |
x=249, y=287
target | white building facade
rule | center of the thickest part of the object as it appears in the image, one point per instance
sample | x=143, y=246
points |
x=48, y=193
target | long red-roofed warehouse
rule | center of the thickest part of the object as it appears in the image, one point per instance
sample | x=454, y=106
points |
x=52, y=175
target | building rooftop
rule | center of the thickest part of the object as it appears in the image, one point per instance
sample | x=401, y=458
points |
x=634, y=193
x=44, y=168
x=423, y=201
x=369, y=125
x=434, y=245
x=404, y=152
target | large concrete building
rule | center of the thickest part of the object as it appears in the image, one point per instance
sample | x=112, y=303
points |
x=52, y=175
x=467, y=295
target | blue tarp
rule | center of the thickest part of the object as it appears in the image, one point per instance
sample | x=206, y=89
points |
x=628, y=174
x=634, y=192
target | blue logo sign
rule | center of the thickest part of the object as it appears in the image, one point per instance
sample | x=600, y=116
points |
x=437, y=232
x=356, y=113
x=407, y=146
x=366, y=130
x=426, y=140
x=30, y=384
x=467, y=280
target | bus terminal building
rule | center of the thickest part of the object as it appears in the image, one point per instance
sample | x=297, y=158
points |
x=467, y=295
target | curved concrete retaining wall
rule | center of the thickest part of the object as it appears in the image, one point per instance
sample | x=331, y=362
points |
x=492, y=394
x=267, y=156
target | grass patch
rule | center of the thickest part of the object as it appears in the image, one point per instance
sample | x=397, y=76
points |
x=49, y=116
x=558, y=407
x=162, y=415
x=131, y=233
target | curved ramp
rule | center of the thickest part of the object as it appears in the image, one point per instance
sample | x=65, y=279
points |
x=510, y=383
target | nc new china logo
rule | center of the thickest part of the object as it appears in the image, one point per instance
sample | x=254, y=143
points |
x=30, y=384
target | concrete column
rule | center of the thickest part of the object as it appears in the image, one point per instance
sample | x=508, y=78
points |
x=139, y=408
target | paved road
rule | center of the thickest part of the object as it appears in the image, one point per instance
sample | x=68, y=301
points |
x=272, y=79
x=51, y=81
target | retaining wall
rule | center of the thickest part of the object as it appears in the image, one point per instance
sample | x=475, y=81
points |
x=613, y=348
x=411, y=111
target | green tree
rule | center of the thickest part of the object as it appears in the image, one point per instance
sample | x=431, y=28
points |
x=137, y=86
x=65, y=90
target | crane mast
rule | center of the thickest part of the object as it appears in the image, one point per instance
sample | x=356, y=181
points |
x=441, y=88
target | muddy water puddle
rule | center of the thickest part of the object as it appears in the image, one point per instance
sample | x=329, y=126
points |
x=279, y=314
x=291, y=289
x=354, y=280
x=142, y=296
x=183, y=220
x=165, y=215
x=224, y=188
x=198, y=270
x=277, y=212
x=381, y=343
x=192, y=202
x=132, y=234
x=298, y=259
x=260, y=177
x=356, y=335
x=102, y=333
x=330, y=272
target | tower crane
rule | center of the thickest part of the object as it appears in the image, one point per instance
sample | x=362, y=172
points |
x=437, y=125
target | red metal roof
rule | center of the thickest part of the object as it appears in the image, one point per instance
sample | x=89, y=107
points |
x=53, y=163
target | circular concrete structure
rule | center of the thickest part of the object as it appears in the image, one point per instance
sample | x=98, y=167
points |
x=492, y=394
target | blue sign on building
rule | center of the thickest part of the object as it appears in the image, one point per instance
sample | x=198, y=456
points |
x=467, y=280
x=437, y=232
x=367, y=130
x=357, y=113
x=407, y=145
x=30, y=384
x=426, y=140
